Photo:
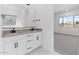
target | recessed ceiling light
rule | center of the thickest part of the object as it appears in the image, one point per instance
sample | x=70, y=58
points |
x=66, y=9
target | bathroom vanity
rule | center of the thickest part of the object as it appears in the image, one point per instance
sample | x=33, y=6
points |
x=20, y=43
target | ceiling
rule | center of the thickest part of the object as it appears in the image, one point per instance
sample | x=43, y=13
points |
x=64, y=7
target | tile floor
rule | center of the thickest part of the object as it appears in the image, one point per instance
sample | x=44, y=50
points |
x=42, y=51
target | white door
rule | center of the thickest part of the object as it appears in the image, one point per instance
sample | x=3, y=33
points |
x=10, y=47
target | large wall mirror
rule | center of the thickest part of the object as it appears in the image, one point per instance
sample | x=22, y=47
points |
x=8, y=20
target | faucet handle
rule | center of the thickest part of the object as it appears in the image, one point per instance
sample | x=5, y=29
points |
x=13, y=28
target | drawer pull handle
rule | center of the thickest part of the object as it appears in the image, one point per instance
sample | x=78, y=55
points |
x=29, y=48
x=17, y=44
x=14, y=45
x=37, y=37
x=29, y=41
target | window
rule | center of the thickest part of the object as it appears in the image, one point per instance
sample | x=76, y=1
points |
x=68, y=22
x=76, y=21
x=60, y=22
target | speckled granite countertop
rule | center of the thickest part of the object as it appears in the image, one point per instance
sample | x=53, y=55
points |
x=7, y=33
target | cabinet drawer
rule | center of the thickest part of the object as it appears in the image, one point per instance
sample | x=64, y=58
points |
x=29, y=36
x=29, y=43
x=30, y=47
x=28, y=39
x=28, y=50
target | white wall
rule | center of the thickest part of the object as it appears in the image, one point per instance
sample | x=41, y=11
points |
x=73, y=31
x=45, y=12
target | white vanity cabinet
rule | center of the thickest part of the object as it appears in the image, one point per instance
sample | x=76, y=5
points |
x=22, y=44
x=10, y=47
x=15, y=45
x=33, y=41
x=21, y=47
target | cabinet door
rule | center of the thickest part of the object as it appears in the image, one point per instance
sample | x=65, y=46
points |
x=10, y=47
x=36, y=40
x=2, y=47
x=21, y=46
